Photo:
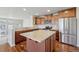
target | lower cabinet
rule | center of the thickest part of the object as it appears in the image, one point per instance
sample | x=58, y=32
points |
x=48, y=45
x=53, y=38
x=33, y=46
x=19, y=38
x=44, y=46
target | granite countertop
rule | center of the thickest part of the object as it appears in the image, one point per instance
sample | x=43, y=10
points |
x=38, y=35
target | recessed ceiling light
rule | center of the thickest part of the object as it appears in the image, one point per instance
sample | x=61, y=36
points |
x=66, y=12
x=48, y=10
x=24, y=9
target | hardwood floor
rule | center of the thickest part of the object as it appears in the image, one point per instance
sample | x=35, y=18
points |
x=60, y=47
x=4, y=47
x=21, y=47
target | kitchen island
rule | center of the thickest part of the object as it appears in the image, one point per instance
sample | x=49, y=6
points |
x=39, y=40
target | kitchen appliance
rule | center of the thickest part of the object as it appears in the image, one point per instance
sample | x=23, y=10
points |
x=68, y=30
x=48, y=27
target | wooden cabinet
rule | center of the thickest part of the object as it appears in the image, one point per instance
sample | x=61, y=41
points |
x=42, y=20
x=49, y=17
x=48, y=45
x=68, y=13
x=38, y=21
x=53, y=43
x=45, y=17
x=45, y=46
x=19, y=38
x=57, y=35
x=55, y=18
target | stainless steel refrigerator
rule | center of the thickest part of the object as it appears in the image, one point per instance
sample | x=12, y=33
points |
x=68, y=29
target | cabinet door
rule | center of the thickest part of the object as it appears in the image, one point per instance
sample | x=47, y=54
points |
x=45, y=17
x=48, y=45
x=52, y=42
x=42, y=21
x=38, y=21
x=49, y=17
x=55, y=19
x=33, y=46
x=68, y=13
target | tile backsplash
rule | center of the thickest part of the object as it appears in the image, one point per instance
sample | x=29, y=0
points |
x=54, y=26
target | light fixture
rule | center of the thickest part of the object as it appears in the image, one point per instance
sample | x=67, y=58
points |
x=66, y=12
x=24, y=9
x=48, y=10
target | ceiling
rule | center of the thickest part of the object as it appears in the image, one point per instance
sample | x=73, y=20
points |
x=19, y=13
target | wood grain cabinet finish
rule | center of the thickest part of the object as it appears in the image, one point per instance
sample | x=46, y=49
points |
x=19, y=38
x=63, y=13
x=55, y=18
x=49, y=17
x=45, y=46
x=48, y=45
x=57, y=35
x=53, y=38
x=42, y=20
x=45, y=17
x=68, y=13
x=33, y=46
x=38, y=21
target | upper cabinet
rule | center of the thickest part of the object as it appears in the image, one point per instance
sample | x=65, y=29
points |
x=42, y=20
x=38, y=21
x=68, y=13
x=45, y=17
x=48, y=17
x=53, y=18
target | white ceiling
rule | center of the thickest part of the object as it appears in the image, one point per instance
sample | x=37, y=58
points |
x=18, y=13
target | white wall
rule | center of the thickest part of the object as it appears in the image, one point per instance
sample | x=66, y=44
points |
x=11, y=35
x=77, y=15
x=28, y=22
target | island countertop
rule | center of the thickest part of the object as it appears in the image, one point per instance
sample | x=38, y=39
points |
x=38, y=35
